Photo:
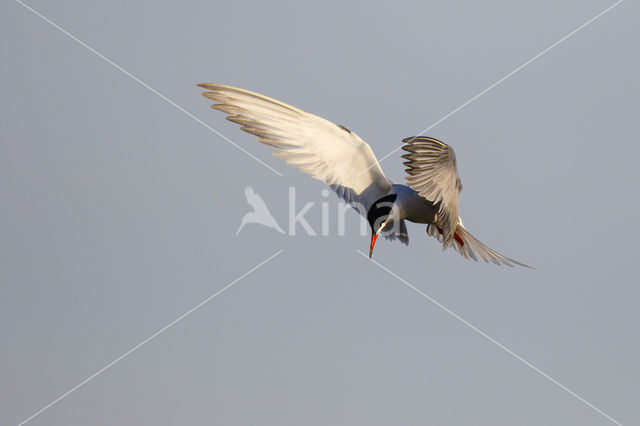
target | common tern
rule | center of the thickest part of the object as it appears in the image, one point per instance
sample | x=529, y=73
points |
x=341, y=159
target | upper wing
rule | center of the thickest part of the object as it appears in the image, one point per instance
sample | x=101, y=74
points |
x=433, y=174
x=328, y=152
x=469, y=247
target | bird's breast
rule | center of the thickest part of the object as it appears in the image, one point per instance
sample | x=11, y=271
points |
x=412, y=206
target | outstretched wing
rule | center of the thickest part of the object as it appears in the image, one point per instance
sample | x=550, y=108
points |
x=433, y=174
x=326, y=151
x=469, y=247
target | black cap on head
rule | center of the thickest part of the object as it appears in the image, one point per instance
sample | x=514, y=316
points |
x=380, y=210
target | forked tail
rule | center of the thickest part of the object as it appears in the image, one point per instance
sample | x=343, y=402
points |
x=469, y=247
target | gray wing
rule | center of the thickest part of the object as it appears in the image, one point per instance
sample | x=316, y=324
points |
x=432, y=172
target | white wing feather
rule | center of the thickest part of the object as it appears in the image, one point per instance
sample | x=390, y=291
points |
x=326, y=151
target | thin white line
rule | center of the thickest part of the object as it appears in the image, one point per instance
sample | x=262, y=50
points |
x=148, y=339
x=499, y=81
x=127, y=73
x=491, y=339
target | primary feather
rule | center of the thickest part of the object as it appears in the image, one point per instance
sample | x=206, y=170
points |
x=432, y=172
x=327, y=151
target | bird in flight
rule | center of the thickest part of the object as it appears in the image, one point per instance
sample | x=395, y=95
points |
x=260, y=213
x=341, y=159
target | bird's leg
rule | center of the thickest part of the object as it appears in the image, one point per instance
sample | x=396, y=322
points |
x=455, y=235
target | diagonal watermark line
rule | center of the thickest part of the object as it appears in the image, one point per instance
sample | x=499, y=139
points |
x=492, y=340
x=136, y=347
x=142, y=83
x=498, y=82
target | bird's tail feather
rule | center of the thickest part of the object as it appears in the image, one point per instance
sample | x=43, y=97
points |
x=470, y=247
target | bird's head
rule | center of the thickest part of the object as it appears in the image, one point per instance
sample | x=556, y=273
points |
x=379, y=215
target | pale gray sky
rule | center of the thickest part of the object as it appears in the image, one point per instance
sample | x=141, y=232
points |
x=119, y=213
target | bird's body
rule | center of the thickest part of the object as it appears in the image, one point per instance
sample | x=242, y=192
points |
x=342, y=160
x=411, y=206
